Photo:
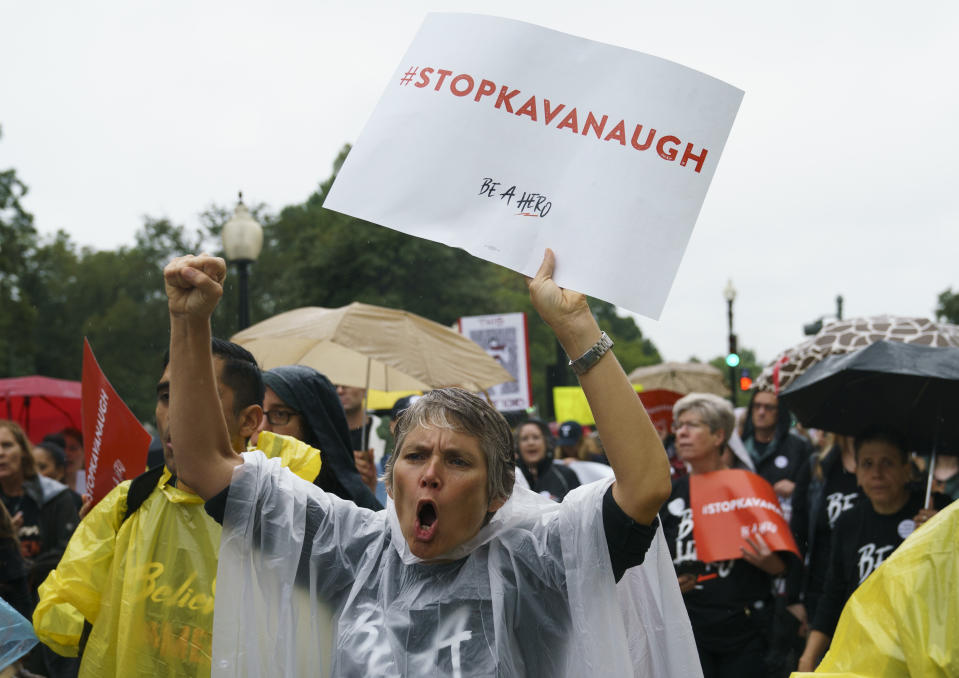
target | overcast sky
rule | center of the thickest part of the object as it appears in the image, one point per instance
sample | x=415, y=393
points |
x=835, y=180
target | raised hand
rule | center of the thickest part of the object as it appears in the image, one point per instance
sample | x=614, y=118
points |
x=559, y=308
x=194, y=284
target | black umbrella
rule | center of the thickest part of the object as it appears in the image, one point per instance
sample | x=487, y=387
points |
x=909, y=388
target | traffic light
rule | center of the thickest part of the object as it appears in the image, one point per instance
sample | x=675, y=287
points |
x=745, y=381
x=732, y=358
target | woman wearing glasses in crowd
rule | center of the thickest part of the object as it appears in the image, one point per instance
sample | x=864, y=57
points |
x=302, y=403
x=726, y=600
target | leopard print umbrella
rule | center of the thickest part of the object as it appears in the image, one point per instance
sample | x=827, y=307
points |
x=846, y=336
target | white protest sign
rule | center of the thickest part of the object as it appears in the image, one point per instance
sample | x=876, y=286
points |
x=505, y=338
x=504, y=138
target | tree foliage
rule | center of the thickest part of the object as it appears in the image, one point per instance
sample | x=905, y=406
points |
x=948, y=307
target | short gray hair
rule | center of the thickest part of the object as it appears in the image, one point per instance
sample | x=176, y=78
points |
x=716, y=412
x=457, y=410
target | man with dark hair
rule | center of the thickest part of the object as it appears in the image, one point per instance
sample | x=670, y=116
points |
x=776, y=452
x=134, y=590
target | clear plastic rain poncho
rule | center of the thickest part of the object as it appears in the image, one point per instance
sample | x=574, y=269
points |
x=320, y=587
x=16, y=635
x=146, y=583
x=904, y=619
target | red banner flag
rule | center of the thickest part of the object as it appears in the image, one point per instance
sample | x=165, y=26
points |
x=114, y=442
x=729, y=506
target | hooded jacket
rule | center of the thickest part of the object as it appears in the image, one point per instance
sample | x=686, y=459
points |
x=313, y=395
x=785, y=453
x=58, y=519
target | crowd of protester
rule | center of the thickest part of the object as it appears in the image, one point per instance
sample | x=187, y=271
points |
x=130, y=589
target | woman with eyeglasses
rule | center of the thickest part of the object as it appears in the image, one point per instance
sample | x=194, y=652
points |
x=302, y=403
x=726, y=600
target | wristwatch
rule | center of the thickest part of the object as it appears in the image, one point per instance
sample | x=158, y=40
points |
x=583, y=363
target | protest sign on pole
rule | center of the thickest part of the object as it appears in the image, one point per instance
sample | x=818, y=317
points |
x=729, y=506
x=504, y=138
x=115, y=442
x=505, y=338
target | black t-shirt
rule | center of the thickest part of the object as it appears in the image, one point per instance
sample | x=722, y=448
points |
x=13, y=578
x=729, y=596
x=29, y=532
x=840, y=494
x=861, y=541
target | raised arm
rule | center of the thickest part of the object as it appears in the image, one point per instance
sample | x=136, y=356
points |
x=631, y=443
x=201, y=444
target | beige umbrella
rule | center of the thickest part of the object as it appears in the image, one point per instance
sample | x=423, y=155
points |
x=845, y=336
x=681, y=377
x=372, y=347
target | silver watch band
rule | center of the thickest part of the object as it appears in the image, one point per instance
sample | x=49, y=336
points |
x=583, y=363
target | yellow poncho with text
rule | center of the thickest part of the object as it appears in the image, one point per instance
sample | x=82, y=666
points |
x=147, y=585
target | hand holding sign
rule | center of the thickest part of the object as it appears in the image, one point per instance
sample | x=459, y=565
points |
x=563, y=310
x=759, y=554
x=736, y=515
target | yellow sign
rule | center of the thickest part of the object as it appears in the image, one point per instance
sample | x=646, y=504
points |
x=570, y=403
x=383, y=400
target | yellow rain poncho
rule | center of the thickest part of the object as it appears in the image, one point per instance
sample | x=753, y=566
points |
x=146, y=584
x=904, y=619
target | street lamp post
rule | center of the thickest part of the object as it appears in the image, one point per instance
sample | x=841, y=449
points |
x=732, y=358
x=242, y=242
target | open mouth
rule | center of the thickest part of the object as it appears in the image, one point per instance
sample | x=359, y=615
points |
x=426, y=519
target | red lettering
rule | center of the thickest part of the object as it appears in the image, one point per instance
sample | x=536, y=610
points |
x=504, y=98
x=443, y=74
x=570, y=122
x=664, y=153
x=618, y=133
x=688, y=155
x=591, y=123
x=649, y=138
x=424, y=78
x=550, y=113
x=486, y=88
x=529, y=108
x=462, y=78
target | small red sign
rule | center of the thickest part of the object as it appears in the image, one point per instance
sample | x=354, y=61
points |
x=114, y=441
x=729, y=506
x=659, y=406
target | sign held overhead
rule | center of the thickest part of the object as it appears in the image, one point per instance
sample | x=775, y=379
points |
x=504, y=138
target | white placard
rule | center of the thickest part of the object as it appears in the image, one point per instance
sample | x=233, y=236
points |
x=505, y=338
x=504, y=138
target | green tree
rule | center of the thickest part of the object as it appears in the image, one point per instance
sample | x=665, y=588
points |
x=948, y=308
x=18, y=238
x=114, y=298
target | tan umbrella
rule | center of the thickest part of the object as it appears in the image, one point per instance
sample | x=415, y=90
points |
x=681, y=377
x=373, y=347
x=845, y=336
